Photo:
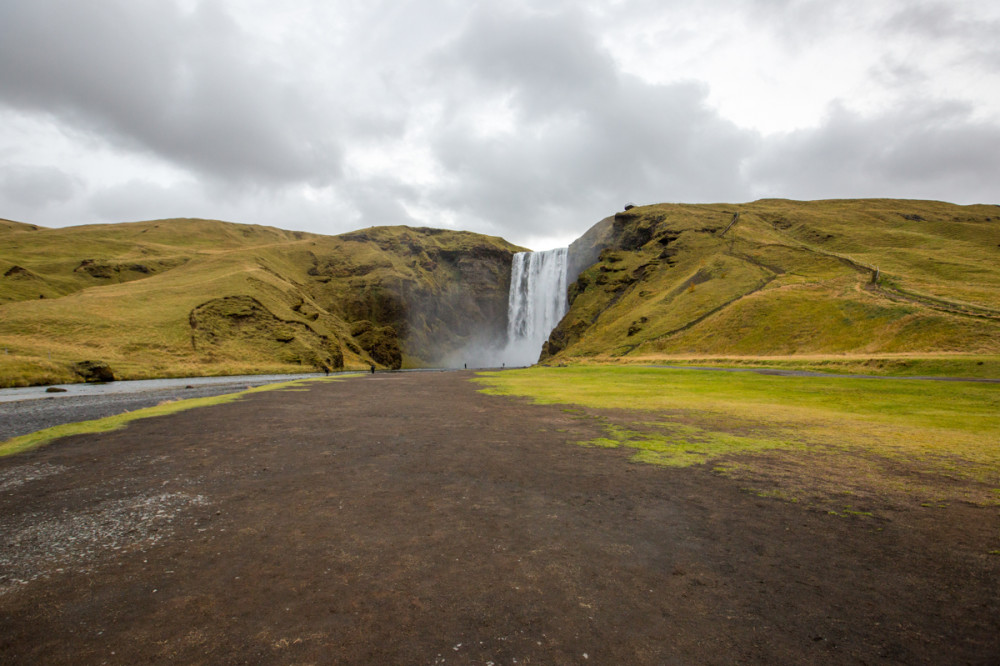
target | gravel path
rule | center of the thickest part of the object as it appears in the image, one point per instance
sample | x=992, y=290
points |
x=409, y=519
x=21, y=417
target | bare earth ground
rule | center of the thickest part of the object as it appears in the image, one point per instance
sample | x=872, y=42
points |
x=405, y=518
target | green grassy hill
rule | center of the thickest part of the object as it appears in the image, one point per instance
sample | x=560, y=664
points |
x=193, y=297
x=854, y=280
x=775, y=277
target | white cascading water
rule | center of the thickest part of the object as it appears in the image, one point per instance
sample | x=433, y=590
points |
x=536, y=303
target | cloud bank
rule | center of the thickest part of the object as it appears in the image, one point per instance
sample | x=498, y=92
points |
x=524, y=119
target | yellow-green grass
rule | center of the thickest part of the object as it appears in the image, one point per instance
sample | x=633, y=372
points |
x=789, y=436
x=791, y=278
x=126, y=294
x=141, y=327
x=109, y=423
x=137, y=322
x=889, y=365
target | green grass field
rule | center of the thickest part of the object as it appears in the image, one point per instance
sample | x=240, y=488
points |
x=971, y=366
x=800, y=438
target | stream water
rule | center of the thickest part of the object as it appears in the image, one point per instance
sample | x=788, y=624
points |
x=143, y=385
x=536, y=303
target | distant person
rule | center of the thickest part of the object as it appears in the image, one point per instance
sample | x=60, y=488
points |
x=372, y=367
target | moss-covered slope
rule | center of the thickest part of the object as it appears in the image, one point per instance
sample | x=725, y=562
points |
x=777, y=277
x=180, y=297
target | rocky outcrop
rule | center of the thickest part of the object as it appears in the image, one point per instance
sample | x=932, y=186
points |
x=19, y=272
x=124, y=271
x=381, y=343
x=437, y=290
x=94, y=371
x=243, y=321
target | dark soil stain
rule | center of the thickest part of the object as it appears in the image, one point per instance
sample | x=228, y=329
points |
x=405, y=518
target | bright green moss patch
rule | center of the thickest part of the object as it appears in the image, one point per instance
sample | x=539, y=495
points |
x=968, y=407
x=107, y=424
x=602, y=442
x=780, y=436
x=681, y=445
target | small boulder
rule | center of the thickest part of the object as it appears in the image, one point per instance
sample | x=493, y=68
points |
x=55, y=389
x=94, y=371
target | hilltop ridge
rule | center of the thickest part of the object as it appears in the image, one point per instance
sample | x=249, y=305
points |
x=850, y=279
x=778, y=277
x=189, y=296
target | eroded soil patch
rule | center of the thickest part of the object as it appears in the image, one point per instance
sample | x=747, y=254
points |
x=406, y=518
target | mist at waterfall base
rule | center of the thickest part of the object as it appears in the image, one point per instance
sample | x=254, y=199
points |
x=535, y=305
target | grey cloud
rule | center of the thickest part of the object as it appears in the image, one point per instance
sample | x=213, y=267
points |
x=284, y=207
x=795, y=24
x=191, y=88
x=35, y=186
x=548, y=60
x=891, y=72
x=939, y=20
x=246, y=123
x=381, y=201
x=920, y=151
x=139, y=199
x=937, y=23
x=586, y=136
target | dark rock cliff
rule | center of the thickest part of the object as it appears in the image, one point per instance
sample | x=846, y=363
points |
x=436, y=290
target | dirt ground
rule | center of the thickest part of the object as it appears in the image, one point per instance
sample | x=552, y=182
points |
x=407, y=519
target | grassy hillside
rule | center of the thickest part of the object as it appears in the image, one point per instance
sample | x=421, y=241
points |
x=181, y=297
x=778, y=278
x=913, y=286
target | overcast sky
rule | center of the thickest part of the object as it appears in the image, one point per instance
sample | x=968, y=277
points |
x=526, y=119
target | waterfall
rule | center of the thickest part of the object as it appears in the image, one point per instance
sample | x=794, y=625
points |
x=536, y=303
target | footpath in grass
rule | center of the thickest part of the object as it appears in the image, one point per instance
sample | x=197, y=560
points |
x=810, y=438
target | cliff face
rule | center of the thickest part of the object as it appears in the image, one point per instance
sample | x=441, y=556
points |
x=438, y=290
x=780, y=277
x=585, y=251
x=176, y=297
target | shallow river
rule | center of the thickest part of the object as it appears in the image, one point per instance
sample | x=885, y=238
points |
x=143, y=385
x=25, y=410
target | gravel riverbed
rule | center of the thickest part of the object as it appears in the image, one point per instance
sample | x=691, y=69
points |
x=20, y=417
